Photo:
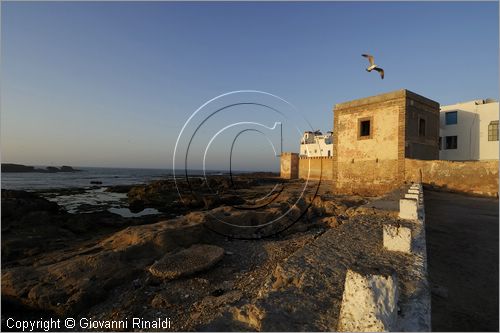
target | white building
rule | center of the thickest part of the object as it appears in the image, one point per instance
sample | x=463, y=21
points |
x=314, y=144
x=469, y=131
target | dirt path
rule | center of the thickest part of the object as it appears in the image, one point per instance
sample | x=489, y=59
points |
x=462, y=245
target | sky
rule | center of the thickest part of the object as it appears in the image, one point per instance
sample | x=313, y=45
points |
x=112, y=84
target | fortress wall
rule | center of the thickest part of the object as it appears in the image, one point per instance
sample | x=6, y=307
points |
x=289, y=166
x=474, y=177
x=316, y=167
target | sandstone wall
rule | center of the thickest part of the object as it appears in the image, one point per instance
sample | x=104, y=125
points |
x=369, y=166
x=375, y=165
x=316, y=167
x=475, y=177
x=367, y=178
x=289, y=165
x=423, y=146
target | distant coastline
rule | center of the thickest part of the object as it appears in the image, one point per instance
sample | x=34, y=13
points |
x=11, y=167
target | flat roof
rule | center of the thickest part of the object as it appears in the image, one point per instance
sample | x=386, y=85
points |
x=402, y=93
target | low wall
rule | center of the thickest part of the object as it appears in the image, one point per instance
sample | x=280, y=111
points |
x=316, y=167
x=475, y=177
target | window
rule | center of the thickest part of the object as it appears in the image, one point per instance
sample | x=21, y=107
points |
x=451, y=142
x=440, y=144
x=451, y=118
x=421, y=127
x=365, y=128
x=493, y=131
x=328, y=153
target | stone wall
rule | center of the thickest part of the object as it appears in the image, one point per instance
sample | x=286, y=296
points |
x=374, y=164
x=422, y=146
x=316, y=168
x=368, y=166
x=289, y=166
x=474, y=177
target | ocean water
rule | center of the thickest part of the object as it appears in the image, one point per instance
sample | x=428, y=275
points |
x=94, y=197
x=108, y=177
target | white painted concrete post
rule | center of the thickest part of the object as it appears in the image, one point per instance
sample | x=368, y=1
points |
x=408, y=209
x=369, y=303
x=412, y=196
x=397, y=238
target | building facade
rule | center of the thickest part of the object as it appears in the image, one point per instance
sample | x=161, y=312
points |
x=315, y=144
x=383, y=142
x=469, y=131
x=373, y=136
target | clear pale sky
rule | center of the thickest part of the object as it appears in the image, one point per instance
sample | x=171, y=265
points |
x=111, y=84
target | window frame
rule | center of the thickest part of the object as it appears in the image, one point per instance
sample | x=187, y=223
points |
x=446, y=117
x=361, y=120
x=492, y=134
x=421, y=133
x=446, y=142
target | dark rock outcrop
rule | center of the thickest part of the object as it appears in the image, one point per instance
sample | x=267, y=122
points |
x=11, y=167
x=83, y=277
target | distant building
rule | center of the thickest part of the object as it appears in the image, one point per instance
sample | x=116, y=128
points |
x=315, y=144
x=469, y=131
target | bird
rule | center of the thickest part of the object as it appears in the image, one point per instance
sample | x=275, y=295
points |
x=373, y=66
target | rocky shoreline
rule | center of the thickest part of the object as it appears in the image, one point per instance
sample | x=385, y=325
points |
x=182, y=264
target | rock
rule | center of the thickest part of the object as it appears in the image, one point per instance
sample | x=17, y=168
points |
x=250, y=315
x=52, y=169
x=155, y=239
x=17, y=203
x=330, y=221
x=160, y=302
x=11, y=167
x=96, y=182
x=80, y=278
x=186, y=262
x=68, y=286
x=66, y=168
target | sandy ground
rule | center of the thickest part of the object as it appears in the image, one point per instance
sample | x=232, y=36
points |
x=462, y=245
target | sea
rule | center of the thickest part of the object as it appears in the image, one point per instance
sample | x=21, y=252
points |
x=94, y=182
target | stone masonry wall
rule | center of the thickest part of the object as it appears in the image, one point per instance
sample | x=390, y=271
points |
x=289, y=166
x=316, y=167
x=369, y=166
x=475, y=177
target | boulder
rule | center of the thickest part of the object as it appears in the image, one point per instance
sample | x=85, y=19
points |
x=187, y=262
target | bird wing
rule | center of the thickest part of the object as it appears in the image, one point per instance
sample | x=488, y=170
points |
x=370, y=58
x=381, y=71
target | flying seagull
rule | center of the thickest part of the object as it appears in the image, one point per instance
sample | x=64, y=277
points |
x=373, y=66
